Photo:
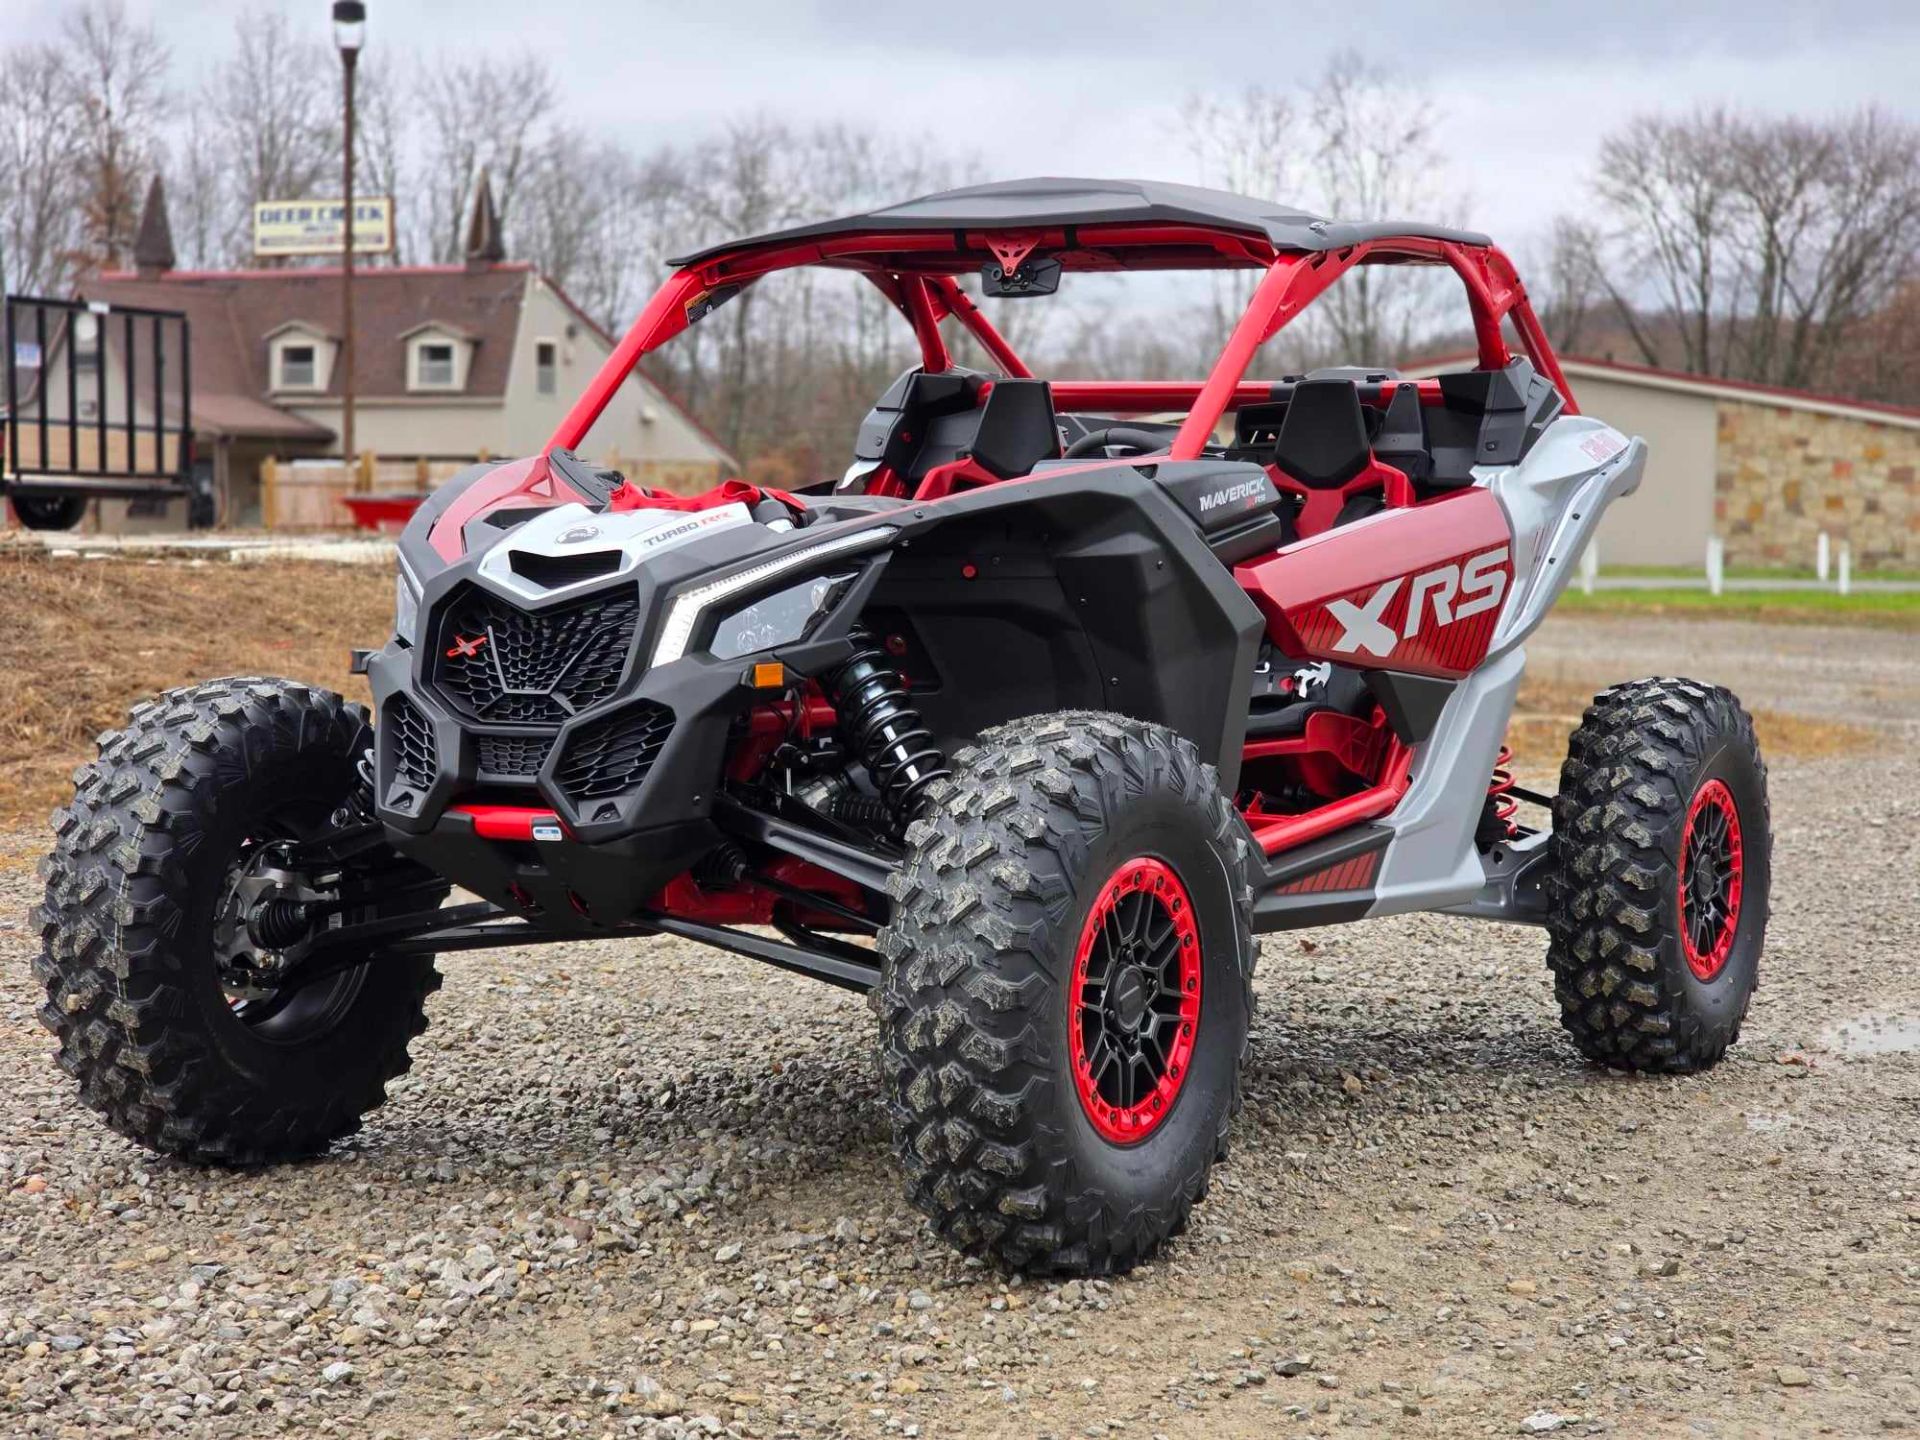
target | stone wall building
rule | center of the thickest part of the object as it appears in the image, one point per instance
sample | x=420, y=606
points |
x=1765, y=469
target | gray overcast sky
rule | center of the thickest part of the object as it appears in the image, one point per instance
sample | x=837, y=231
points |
x=1074, y=87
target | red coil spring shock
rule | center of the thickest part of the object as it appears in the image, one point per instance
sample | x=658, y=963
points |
x=1498, y=788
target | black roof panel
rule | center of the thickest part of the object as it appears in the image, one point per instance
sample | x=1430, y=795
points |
x=1050, y=201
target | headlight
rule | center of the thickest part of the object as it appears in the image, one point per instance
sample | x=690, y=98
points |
x=406, y=605
x=684, y=614
x=777, y=619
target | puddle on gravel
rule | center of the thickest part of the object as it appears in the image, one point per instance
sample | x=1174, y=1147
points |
x=1873, y=1034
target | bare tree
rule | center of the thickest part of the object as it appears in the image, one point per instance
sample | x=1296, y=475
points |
x=1569, y=287
x=1829, y=219
x=1360, y=146
x=116, y=70
x=199, y=200
x=382, y=161
x=1751, y=246
x=39, y=180
x=274, y=121
x=480, y=114
x=1376, y=159
x=595, y=219
x=1668, y=187
x=1252, y=144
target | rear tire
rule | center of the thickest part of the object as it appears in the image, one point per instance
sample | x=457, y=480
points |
x=1066, y=992
x=1659, y=875
x=140, y=869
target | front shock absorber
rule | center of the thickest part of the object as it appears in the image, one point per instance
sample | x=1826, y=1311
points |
x=880, y=724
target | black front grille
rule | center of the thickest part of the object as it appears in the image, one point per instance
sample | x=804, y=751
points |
x=411, y=753
x=512, y=757
x=610, y=757
x=510, y=666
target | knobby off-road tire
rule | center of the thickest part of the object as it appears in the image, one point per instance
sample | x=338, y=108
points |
x=141, y=861
x=1045, y=822
x=1663, y=788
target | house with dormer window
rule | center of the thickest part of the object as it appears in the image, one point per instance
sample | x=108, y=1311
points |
x=451, y=363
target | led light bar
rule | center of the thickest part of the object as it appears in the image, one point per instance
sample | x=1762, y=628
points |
x=683, y=616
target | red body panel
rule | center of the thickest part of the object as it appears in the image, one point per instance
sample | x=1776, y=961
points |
x=1417, y=589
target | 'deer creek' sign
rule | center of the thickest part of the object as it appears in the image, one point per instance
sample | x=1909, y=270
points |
x=313, y=227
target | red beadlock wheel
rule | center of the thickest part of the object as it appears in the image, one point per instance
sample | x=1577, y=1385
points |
x=1135, y=1000
x=1712, y=867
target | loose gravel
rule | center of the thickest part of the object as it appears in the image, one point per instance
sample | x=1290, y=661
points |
x=644, y=1190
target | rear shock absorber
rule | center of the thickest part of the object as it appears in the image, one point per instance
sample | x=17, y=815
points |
x=1500, y=801
x=880, y=724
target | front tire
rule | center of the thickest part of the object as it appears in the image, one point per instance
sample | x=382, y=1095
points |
x=1658, y=877
x=139, y=895
x=1066, y=992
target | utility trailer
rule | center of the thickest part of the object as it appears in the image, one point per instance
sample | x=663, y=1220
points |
x=98, y=406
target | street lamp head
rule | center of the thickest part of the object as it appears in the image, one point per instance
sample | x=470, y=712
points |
x=349, y=25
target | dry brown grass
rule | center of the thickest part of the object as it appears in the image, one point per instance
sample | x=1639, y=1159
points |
x=85, y=639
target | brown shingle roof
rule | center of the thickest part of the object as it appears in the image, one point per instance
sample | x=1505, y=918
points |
x=231, y=313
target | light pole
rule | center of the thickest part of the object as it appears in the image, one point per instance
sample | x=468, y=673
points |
x=349, y=33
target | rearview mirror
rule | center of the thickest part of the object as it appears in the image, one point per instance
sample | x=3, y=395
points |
x=1036, y=275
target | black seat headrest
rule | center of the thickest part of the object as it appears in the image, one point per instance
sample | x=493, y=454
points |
x=1323, y=439
x=1017, y=428
x=1401, y=439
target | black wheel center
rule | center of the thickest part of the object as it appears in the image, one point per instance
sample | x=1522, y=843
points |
x=1129, y=997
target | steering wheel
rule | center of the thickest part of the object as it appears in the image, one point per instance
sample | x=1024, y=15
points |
x=1133, y=439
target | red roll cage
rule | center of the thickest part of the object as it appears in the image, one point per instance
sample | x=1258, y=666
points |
x=918, y=272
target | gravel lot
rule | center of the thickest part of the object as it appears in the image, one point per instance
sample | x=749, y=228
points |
x=645, y=1189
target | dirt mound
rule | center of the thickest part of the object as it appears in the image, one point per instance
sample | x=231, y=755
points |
x=86, y=638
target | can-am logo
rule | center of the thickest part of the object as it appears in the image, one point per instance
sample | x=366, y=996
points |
x=577, y=535
x=1245, y=490
x=1447, y=593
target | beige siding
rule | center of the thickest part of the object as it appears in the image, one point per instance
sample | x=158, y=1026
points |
x=639, y=424
x=1668, y=520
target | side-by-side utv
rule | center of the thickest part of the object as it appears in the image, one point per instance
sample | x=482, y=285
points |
x=1028, y=725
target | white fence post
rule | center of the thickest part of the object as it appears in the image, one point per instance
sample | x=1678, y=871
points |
x=1589, y=565
x=1846, y=568
x=1821, y=553
x=1716, y=564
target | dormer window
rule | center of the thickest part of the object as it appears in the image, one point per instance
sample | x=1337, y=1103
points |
x=297, y=366
x=435, y=362
x=438, y=357
x=299, y=358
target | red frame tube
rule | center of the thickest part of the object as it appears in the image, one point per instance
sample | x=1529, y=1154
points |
x=1286, y=832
